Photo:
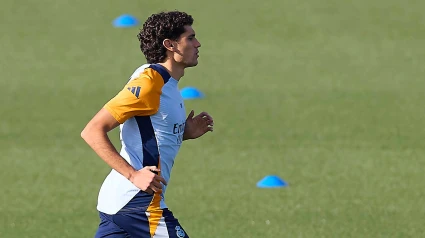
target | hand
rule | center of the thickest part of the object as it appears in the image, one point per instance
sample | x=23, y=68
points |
x=198, y=125
x=147, y=181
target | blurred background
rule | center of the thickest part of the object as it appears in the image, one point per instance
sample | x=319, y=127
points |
x=328, y=95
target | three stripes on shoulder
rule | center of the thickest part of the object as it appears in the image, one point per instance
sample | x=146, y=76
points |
x=135, y=90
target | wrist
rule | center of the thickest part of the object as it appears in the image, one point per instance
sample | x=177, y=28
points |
x=186, y=136
x=131, y=175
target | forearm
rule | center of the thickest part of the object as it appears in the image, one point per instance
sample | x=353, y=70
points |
x=102, y=145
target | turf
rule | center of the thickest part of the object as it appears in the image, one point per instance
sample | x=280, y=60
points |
x=328, y=95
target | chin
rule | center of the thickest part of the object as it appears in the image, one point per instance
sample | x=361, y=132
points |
x=193, y=64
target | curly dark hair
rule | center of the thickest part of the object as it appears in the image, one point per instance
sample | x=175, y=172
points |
x=157, y=28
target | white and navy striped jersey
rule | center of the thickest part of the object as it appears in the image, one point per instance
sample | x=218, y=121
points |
x=151, y=111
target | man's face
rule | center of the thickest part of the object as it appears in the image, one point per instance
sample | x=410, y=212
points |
x=186, y=51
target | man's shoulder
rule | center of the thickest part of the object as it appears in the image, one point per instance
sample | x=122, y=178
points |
x=139, y=71
x=154, y=72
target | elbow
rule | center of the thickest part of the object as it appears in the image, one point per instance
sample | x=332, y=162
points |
x=90, y=132
x=84, y=133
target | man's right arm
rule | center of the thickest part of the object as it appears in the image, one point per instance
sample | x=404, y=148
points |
x=95, y=135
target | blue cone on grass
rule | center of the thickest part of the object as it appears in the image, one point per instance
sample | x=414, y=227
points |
x=191, y=93
x=271, y=181
x=125, y=21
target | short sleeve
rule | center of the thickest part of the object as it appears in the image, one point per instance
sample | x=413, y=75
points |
x=140, y=97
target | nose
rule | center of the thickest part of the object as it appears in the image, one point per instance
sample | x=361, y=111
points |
x=198, y=44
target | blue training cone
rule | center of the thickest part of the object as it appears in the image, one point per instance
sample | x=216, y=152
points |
x=271, y=181
x=191, y=93
x=125, y=21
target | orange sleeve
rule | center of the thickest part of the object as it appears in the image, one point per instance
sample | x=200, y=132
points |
x=140, y=97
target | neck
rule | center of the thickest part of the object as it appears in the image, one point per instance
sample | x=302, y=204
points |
x=176, y=71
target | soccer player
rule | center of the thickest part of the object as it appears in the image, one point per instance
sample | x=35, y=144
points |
x=153, y=124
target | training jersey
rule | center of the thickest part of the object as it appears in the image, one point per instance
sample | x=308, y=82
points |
x=151, y=113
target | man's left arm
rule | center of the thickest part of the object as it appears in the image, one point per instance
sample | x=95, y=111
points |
x=197, y=126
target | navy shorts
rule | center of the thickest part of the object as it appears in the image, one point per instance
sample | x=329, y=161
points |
x=137, y=222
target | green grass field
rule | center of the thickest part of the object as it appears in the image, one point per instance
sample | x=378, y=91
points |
x=326, y=94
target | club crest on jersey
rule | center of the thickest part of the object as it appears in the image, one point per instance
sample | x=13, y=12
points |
x=180, y=232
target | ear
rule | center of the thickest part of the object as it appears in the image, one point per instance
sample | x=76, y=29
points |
x=168, y=44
